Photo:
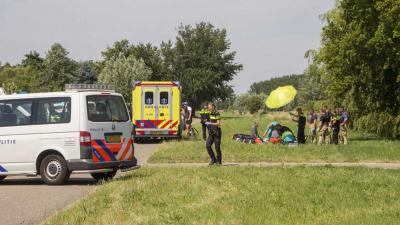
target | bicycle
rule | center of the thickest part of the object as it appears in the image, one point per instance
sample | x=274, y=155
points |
x=193, y=134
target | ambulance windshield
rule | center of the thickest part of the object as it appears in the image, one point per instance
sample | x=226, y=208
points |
x=106, y=108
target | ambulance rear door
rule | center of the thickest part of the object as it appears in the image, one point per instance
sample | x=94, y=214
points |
x=164, y=106
x=149, y=109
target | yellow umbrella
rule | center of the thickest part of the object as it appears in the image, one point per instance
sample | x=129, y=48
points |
x=280, y=97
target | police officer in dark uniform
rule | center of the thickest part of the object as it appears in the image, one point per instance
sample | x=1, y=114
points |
x=204, y=117
x=214, y=135
x=301, y=124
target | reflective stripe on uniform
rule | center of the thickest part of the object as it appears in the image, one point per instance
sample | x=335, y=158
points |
x=204, y=112
x=214, y=116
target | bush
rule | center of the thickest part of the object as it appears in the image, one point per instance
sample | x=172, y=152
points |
x=254, y=103
x=316, y=105
x=382, y=124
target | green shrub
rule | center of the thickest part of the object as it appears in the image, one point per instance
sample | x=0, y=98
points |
x=382, y=124
x=254, y=103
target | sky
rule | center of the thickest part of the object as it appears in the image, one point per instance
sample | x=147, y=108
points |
x=269, y=36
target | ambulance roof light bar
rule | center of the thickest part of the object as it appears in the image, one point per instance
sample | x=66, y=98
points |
x=89, y=87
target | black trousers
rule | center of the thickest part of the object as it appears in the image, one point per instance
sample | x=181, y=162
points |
x=335, y=136
x=214, y=137
x=301, y=138
x=204, y=131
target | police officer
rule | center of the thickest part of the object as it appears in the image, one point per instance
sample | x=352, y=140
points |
x=204, y=117
x=214, y=135
x=335, y=124
x=323, y=129
x=343, y=126
x=312, y=123
x=301, y=124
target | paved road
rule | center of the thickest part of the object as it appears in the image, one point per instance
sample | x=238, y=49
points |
x=28, y=200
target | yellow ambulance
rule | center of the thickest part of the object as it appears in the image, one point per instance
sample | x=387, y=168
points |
x=156, y=109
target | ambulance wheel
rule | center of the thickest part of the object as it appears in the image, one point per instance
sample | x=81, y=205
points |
x=2, y=178
x=54, y=170
x=104, y=176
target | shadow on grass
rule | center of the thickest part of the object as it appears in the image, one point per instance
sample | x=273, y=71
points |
x=148, y=141
x=366, y=137
x=133, y=175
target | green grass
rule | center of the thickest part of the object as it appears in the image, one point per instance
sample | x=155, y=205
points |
x=361, y=147
x=233, y=195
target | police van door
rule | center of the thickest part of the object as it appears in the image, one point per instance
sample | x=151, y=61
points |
x=164, y=106
x=148, y=111
x=16, y=137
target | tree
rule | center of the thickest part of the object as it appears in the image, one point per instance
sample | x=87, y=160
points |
x=119, y=48
x=150, y=55
x=313, y=86
x=200, y=61
x=254, y=103
x=20, y=78
x=240, y=103
x=269, y=85
x=122, y=71
x=87, y=72
x=360, y=58
x=58, y=69
x=33, y=59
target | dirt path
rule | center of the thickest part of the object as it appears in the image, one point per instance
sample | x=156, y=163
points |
x=278, y=164
x=28, y=200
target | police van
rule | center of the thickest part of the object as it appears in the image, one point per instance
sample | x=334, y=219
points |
x=85, y=128
x=156, y=109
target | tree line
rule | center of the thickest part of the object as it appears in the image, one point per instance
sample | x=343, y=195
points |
x=359, y=63
x=199, y=57
x=309, y=93
x=357, y=66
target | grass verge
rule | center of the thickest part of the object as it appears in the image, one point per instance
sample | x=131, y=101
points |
x=231, y=195
x=361, y=147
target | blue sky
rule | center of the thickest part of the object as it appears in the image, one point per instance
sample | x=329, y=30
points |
x=270, y=37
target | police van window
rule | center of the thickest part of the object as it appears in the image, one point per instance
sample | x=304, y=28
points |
x=53, y=111
x=148, y=98
x=15, y=113
x=164, y=98
x=106, y=108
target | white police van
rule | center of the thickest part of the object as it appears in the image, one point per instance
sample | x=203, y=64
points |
x=86, y=128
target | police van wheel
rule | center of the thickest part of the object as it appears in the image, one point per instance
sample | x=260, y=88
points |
x=2, y=178
x=54, y=170
x=104, y=176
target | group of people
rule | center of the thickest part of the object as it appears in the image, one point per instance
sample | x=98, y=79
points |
x=275, y=133
x=210, y=120
x=330, y=126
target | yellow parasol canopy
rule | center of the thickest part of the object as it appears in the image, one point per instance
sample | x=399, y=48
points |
x=281, y=97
